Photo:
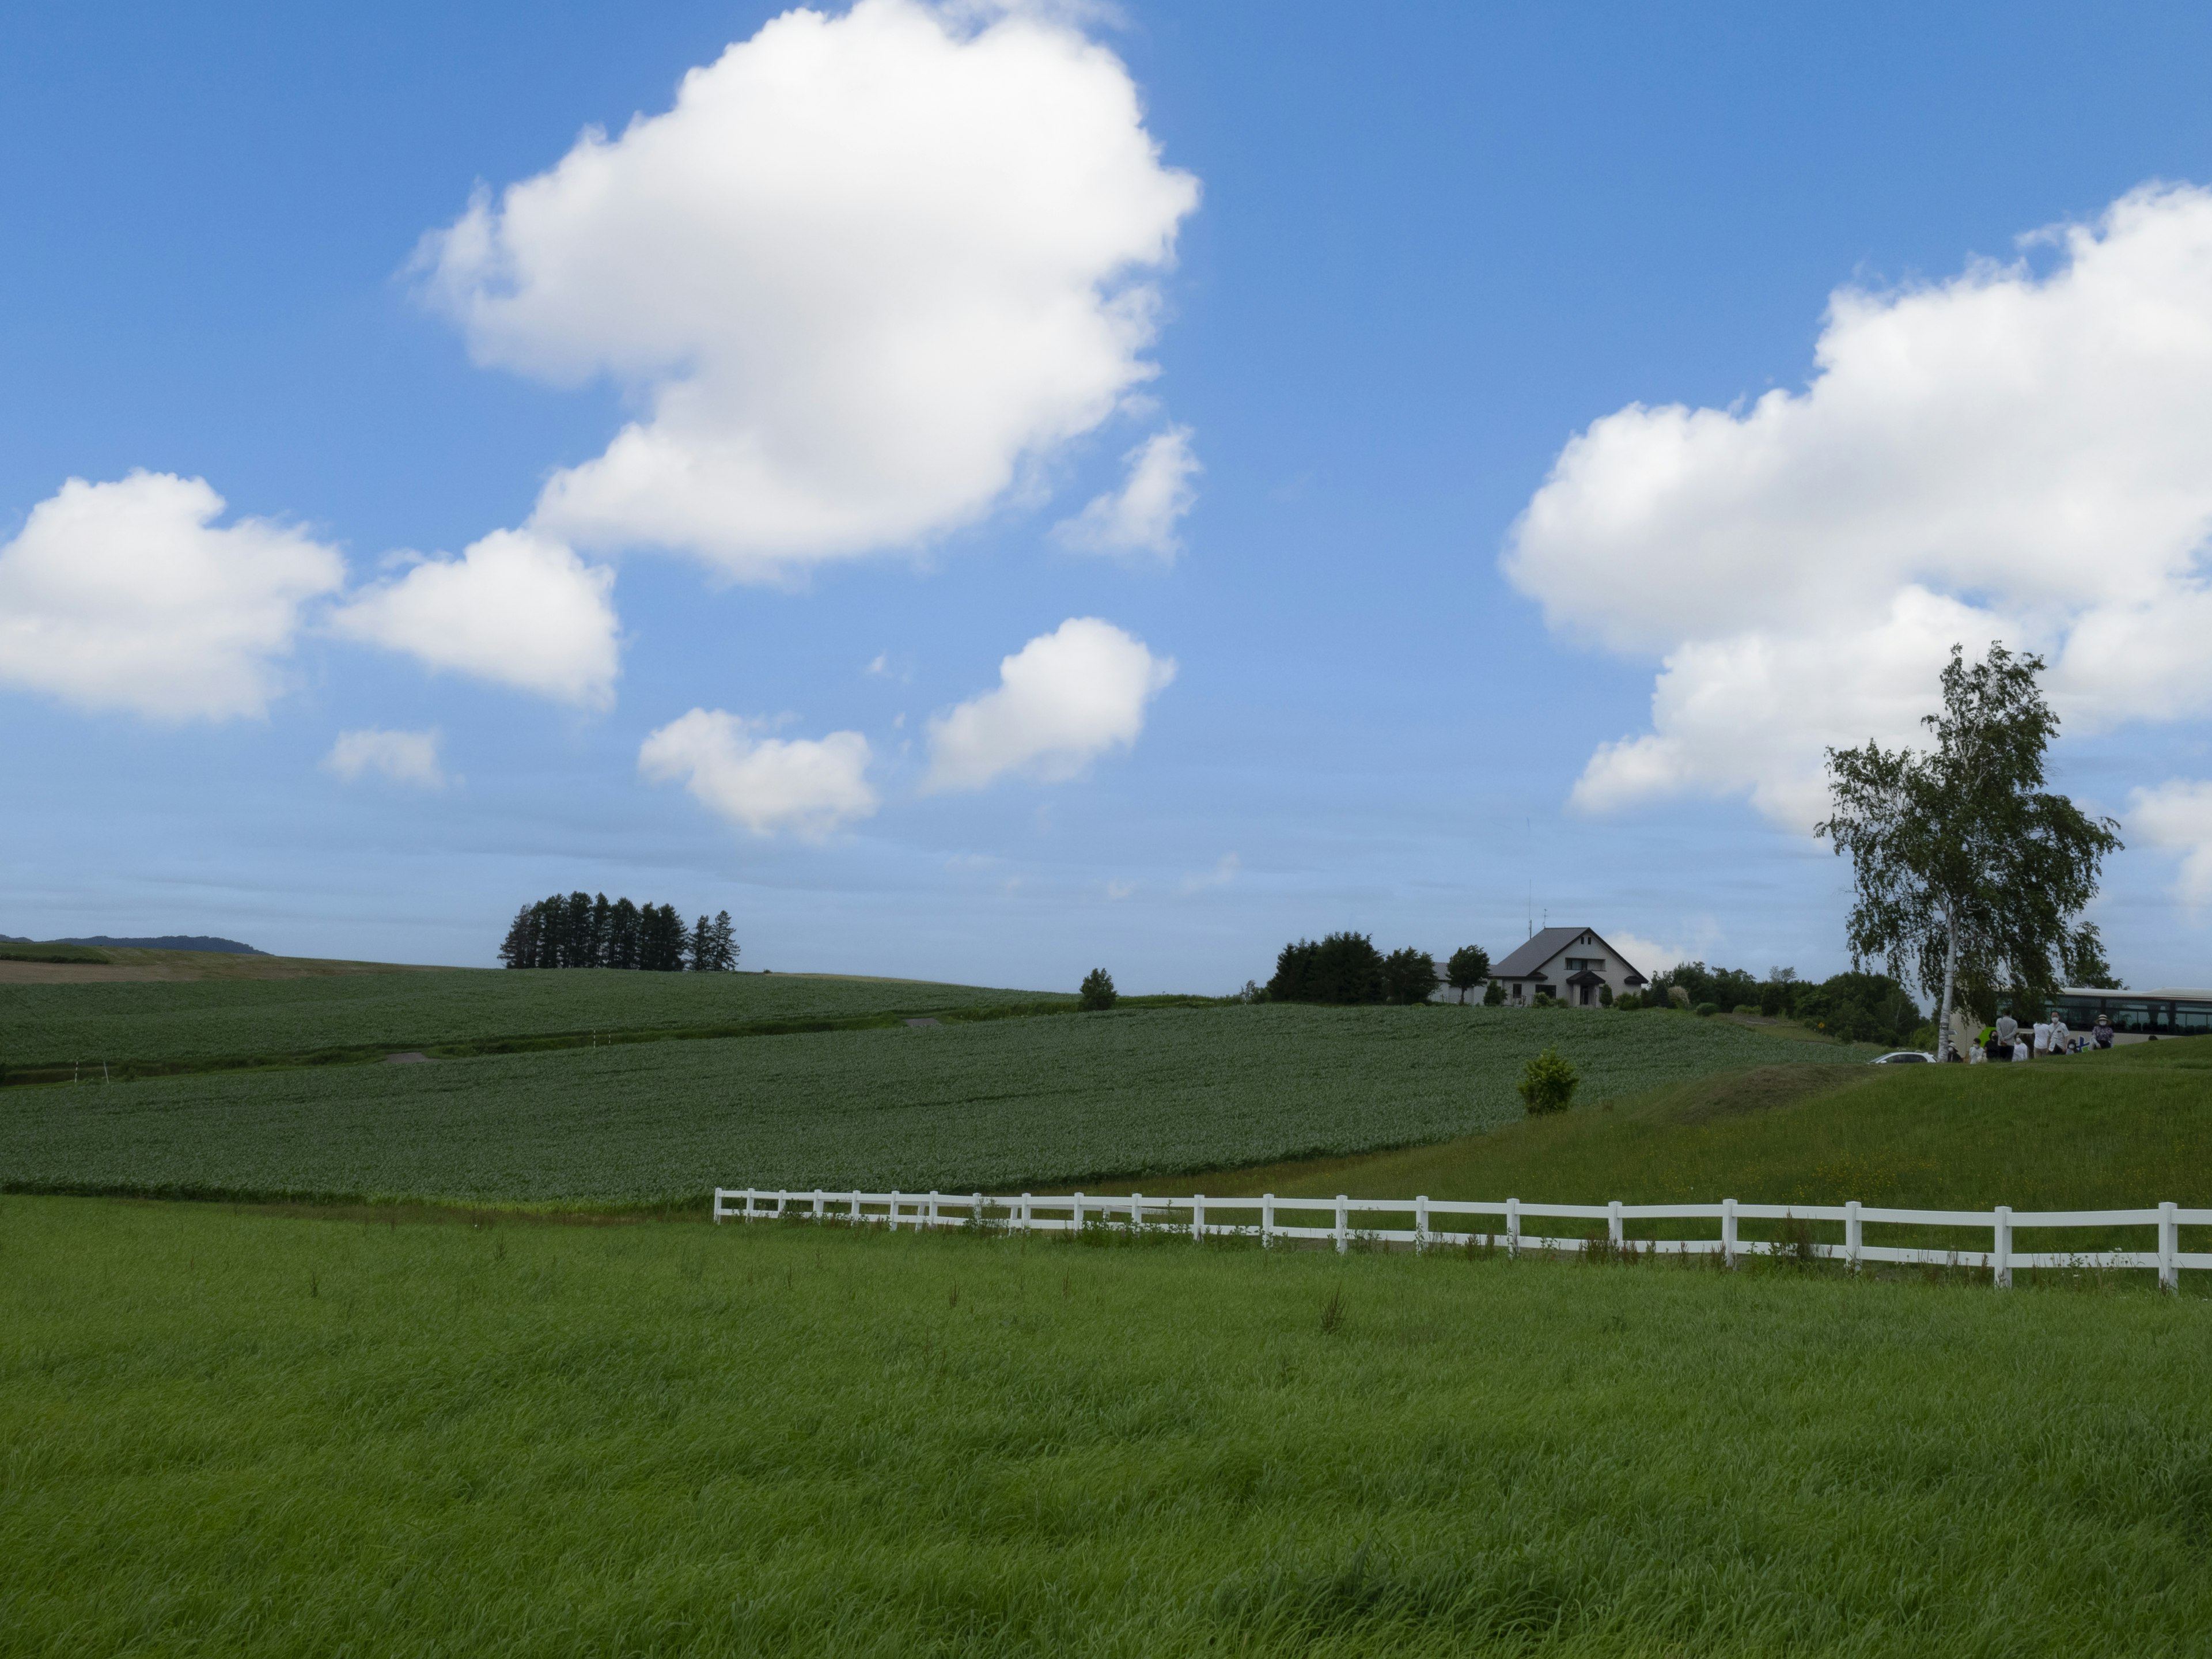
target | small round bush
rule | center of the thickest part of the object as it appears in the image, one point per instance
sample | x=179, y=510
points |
x=1548, y=1084
x=1099, y=991
x=1707, y=1009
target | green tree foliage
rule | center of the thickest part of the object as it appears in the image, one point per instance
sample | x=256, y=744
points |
x=1409, y=976
x=1344, y=968
x=583, y=931
x=1097, y=992
x=1960, y=857
x=1548, y=1083
x=1468, y=967
x=1494, y=995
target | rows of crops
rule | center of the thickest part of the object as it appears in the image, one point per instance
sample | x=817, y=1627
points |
x=45, y=1026
x=1005, y=1104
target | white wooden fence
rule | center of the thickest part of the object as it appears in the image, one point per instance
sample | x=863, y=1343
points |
x=1261, y=1219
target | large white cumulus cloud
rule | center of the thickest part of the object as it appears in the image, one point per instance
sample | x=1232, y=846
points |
x=1062, y=700
x=514, y=609
x=129, y=595
x=863, y=267
x=2010, y=454
x=808, y=786
x=2177, y=815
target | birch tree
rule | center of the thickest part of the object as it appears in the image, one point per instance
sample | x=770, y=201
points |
x=1961, y=859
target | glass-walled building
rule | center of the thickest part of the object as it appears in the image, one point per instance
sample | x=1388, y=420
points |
x=2141, y=1013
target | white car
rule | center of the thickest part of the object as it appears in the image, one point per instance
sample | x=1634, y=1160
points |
x=1905, y=1057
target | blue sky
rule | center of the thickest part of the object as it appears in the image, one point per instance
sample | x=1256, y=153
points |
x=1429, y=247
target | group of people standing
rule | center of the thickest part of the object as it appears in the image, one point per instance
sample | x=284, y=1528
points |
x=2007, y=1040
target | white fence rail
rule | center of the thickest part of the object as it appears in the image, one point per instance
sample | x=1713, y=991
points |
x=1430, y=1224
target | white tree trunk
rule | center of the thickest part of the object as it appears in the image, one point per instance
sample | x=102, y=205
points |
x=1950, y=972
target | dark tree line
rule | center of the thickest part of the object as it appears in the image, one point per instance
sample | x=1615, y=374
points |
x=1346, y=968
x=1858, y=1007
x=584, y=931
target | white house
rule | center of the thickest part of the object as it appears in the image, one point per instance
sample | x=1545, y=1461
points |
x=1569, y=962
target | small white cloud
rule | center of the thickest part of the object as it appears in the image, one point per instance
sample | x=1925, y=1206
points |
x=881, y=665
x=866, y=266
x=403, y=757
x=1063, y=698
x=1141, y=516
x=515, y=608
x=1646, y=956
x=127, y=595
x=2014, y=454
x=1223, y=871
x=2178, y=816
x=807, y=787
x=1118, y=890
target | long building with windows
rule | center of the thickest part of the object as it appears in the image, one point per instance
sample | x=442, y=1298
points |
x=2138, y=1013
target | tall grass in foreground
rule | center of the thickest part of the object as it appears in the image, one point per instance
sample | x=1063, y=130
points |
x=237, y=1432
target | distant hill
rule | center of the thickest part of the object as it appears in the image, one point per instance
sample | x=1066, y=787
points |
x=169, y=942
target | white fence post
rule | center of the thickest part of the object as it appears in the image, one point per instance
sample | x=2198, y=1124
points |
x=2169, y=1248
x=979, y=1213
x=1076, y=1225
x=1028, y=1220
x=933, y=1206
x=1420, y=1224
x=893, y=1215
x=1513, y=1226
x=2001, y=1248
x=1136, y=1212
x=1198, y=1215
x=856, y=1209
x=1854, y=1234
x=817, y=1203
x=1266, y=1218
x=1728, y=1231
x=1613, y=1230
x=1343, y=1225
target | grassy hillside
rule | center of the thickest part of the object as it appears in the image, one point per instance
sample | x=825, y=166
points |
x=53, y=963
x=1072, y=1097
x=228, y=1431
x=2118, y=1130
x=240, y=1022
x=17, y=949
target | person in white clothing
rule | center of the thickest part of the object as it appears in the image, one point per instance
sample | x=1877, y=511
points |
x=2061, y=1040
x=2042, y=1038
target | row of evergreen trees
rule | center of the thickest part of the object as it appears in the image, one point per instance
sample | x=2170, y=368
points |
x=1346, y=968
x=584, y=931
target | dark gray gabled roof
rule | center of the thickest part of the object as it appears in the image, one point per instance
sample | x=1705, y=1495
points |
x=1548, y=943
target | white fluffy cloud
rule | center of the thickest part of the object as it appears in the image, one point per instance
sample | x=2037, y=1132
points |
x=1140, y=517
x=128, y=595
x=515, y=608
x=864, y=265
x=808, y=787
x=1063, y=698
x=1647, y=955
x=2012, y=454
x=403, y=757
x=2178, y=816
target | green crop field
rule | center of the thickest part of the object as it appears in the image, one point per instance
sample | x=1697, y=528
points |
x=2115, y=1131
x=246, y=1021
x=238, y=1432
x=1000, y=1104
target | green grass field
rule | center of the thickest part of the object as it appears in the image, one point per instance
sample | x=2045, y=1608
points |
x=2114, y=1130
x=241, y=1021
x=239, y=1432
x=1000, y=1104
